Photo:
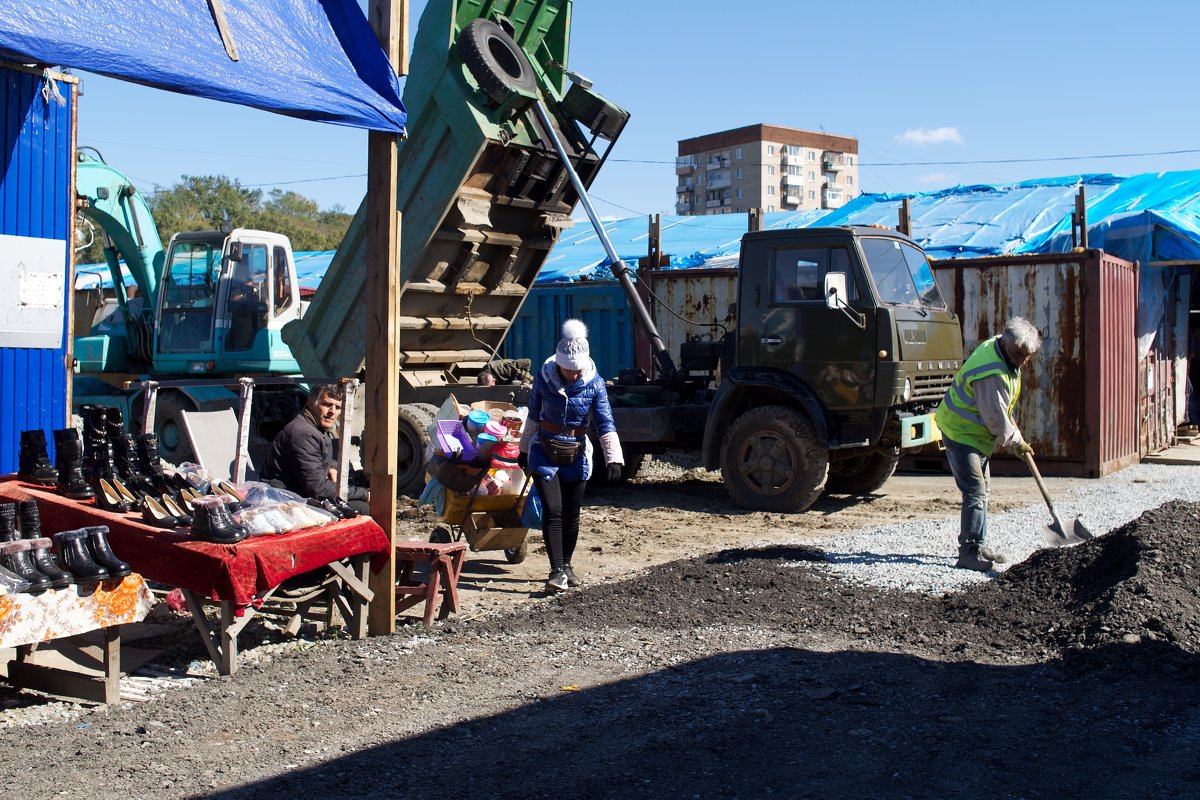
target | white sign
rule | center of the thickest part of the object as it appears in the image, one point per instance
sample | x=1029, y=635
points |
x=32, y=308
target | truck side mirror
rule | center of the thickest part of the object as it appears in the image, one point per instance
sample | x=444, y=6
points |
x=235, y=251
x=835, y=289
x=835, y=297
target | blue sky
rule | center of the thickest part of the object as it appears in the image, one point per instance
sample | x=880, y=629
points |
x=928, y=82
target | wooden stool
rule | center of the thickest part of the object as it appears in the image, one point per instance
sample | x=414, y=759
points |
x=440, y=588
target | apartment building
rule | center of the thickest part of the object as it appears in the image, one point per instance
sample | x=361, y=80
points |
x=765, y=166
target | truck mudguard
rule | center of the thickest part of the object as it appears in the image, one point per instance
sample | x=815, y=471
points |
x=740, y=381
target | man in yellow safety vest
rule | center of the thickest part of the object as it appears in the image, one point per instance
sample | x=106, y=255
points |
x=975, y=418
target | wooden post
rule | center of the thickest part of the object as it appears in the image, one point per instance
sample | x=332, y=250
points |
x=754, y=220
x=905, y=224
x=1080, y=218
x=389, y=20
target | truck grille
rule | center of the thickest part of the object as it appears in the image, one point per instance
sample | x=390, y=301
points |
x=931, y=387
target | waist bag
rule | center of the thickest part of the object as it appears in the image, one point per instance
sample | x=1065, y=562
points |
x=560, y=452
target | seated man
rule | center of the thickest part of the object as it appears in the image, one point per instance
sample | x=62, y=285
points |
x=302, y=456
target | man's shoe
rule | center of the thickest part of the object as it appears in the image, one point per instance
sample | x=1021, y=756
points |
x=557, y=581
x=572, y=578
x=969, y=557
x=988, y=554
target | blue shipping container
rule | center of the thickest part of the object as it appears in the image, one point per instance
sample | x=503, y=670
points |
x=602, y=307
x=36, y=201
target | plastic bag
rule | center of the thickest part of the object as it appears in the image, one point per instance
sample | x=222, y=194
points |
x=531, y=514
x=11, y=583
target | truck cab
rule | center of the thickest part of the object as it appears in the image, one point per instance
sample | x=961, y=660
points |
x=843, y=349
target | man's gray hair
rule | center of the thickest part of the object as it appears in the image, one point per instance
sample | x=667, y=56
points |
x=1020, y=333
x=322, y=389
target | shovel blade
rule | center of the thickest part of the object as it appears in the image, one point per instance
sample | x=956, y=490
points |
x=1057, y=537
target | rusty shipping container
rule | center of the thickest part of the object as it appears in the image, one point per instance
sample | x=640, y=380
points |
x=697, y=304
x=1079, y=404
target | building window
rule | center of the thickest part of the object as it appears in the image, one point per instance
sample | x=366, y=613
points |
x=737, y=173
x=793, y=150
x=812, y=155
x=793, y=169
x=812, y=176
x=770, y=208
x=771, y=190
x=737, y=153
x=849, y=180
x=770, y=149
x=812, y=195
x=770, y=170
x=850, y=161
x=739, y=194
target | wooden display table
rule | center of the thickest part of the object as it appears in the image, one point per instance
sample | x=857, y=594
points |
x=62, y=616
x=235, y=577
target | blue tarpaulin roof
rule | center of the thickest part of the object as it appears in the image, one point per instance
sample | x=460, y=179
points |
x=1149, y=217
x=312, y=59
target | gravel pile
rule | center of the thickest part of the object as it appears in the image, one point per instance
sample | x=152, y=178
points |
x=918, y=556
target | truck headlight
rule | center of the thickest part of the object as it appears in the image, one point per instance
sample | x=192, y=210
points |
x=907, y=390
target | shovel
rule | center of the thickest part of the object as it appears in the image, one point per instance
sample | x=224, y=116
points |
x=1055, y=535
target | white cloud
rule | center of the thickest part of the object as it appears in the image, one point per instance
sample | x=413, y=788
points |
x=939, y=178
x=930, y=136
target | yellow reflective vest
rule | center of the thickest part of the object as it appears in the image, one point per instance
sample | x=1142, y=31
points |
x=957, y=415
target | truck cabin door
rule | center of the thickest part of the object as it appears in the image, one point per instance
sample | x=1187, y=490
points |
x=187, y=304
x=248, y=296
x=788, y=326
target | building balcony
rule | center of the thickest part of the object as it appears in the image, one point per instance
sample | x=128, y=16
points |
x=718, y=181
x=683, y=207
x=793, y=180
x=792, y=160
x=685, y=164
x=832, y=198
x=832, y=162
x=717, y=163
x=683, y=188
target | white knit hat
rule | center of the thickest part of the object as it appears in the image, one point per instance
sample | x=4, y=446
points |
x=572, y=351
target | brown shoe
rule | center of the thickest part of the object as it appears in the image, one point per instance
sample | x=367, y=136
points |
x=969, y=557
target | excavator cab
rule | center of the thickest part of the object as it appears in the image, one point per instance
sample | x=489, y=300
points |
x=224, y=298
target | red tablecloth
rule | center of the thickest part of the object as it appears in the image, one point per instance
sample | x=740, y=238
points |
x=234, y=572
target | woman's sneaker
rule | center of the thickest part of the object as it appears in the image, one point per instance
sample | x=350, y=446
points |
x=557, y=581
x=572, y=578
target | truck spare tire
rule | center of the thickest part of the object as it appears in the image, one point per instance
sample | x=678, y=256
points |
x=495, y=61
x=772, y=460
x=412, y=437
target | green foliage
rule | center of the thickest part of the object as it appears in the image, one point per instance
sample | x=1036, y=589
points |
x=204, y=202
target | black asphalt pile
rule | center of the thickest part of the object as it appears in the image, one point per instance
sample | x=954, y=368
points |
x=1128, y=599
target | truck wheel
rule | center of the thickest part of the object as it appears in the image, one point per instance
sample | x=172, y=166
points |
x=771, y=460
x=412, y=439
x=863, y=474
x=495, y=61
x=633, y=465
x=173, y=444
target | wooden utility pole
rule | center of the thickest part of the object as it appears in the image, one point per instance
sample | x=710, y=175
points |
x=389, y=20
x=905, y=224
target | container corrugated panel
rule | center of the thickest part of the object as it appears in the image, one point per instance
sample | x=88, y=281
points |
x=706, y=299
x=1078, y=404
x=1162, y=354
x=602, y=307
x=35, y=200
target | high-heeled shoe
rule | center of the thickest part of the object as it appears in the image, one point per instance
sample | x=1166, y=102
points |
x=174, y=509
x=108, y=498
x=155, y=515
x=224, y=487
x=128, y=496
x=188, y=497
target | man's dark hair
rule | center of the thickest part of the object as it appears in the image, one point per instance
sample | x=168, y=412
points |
x=321, y=390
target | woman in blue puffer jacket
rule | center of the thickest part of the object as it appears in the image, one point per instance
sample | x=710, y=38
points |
x=555, y=449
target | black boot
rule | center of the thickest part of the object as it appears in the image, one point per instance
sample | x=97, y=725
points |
x=211, y=522
x=128, y=470
x=31, y=528
x=33, y=461
x=68, y=455
x=14, y=556
x=969, y=558
x=8, y=522
x=75, y=556
x=150, y=463
x=102, y=553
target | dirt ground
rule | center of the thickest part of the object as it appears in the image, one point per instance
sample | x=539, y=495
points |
x=698, y=664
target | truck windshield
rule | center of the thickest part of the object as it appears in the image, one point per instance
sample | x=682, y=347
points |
x=901, y=273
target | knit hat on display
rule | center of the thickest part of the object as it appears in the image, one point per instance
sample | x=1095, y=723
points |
x=572, y=351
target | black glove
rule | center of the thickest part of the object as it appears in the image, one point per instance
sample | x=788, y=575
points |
x=523, y=461
x=614, y=472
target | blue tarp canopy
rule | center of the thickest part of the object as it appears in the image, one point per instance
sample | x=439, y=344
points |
x=312, y=59
x=1145, y=218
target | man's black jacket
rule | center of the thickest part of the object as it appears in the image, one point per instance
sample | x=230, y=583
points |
x=300, y=458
